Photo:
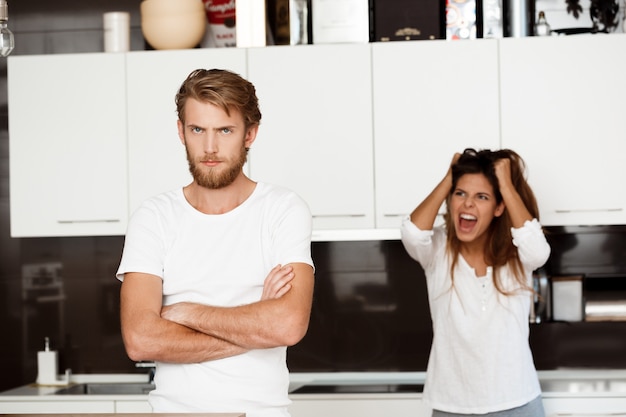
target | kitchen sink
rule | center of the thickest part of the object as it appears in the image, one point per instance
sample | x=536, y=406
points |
x=123, y=388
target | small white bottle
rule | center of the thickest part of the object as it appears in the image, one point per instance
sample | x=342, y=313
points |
x=47, y=365
x=116, y=31
x=542, y=28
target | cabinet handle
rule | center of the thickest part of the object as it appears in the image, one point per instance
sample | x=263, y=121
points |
x=89, y=221
x=337, y=215
x=406, y=214
x=589, y=210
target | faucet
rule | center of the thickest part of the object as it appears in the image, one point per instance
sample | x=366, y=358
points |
x=151, y=366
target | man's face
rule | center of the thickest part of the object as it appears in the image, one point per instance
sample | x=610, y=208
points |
x=215, y=143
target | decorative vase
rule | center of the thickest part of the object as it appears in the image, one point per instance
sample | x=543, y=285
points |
x=173, y=24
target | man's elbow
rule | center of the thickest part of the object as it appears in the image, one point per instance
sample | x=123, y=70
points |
x=295, y=331
x=137, y=347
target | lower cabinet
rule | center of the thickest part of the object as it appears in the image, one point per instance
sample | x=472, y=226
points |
x=374, y=405
x=57, y=407
x=134, y=406
x=72, y=406
x=584, y=405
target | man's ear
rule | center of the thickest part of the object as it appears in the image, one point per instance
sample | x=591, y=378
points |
x=181, y=132
x=251, y=135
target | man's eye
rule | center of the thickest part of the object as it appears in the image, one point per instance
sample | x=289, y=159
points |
x=226, y=130
x=196, y=129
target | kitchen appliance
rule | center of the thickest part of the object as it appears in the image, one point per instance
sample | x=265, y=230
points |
x=605, y=298
x=540, y=308
x=567, y=298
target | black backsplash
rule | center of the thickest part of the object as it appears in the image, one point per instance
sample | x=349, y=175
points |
x=370, y=311
x=596, y=251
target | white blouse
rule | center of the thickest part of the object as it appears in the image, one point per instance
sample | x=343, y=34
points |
x=480, y=359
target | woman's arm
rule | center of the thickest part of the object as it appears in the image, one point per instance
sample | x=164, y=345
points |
x=425, y=213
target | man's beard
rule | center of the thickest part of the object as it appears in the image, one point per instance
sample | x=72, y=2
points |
x=212, y=178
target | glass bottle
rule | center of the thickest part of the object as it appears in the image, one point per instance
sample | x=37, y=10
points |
x=542, y=28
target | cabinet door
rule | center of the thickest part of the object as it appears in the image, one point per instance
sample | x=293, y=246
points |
x=431, y=99
x=67, y=145
x=584, y=406
x=316, y=134
x=157, y=159
x=134, y=406
x=363, y=407
x=56, y=407
x=562, y=110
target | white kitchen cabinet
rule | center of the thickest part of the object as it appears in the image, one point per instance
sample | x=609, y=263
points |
x=431, y=99
x=132, y=406
x=67, y=145
x=562, y=110
x=363, y=132
x=57, y=407
x=584, y=405
x=316, y=133
x=362, y=405
x=157, y=159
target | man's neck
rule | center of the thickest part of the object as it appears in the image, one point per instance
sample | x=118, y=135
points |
x=221, y=200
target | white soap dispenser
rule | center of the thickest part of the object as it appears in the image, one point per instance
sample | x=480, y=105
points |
x=47, y=365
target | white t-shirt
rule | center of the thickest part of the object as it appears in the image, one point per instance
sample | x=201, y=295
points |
x=220, y=260
x=480, y=360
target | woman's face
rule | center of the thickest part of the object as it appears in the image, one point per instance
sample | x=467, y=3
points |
x=472, y=207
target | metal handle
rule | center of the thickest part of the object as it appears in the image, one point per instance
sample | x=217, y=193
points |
x=89, y=221
x=590, y=210
x=336, y=215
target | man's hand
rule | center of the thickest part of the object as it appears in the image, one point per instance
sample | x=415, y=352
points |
x=278, y=282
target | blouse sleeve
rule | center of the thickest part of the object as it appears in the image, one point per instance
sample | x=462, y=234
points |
x=531, y=243
x=418, y=243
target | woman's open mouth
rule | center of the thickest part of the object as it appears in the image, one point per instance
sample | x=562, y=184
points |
x=467, y=222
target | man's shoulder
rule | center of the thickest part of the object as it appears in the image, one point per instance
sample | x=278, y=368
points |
x=276, y=191
x=164, y=202
x=276, y=196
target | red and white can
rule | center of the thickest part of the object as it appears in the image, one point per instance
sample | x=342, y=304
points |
x=221, y=30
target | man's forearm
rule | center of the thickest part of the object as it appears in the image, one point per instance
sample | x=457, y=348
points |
x=165, y=341
x=275, y=320
x=253, y=326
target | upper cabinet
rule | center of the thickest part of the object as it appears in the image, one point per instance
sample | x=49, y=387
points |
x=157, y=161
x=67, y=145
x=362, y=132
x=562, y=111
x=431, y=99
x=316, y=133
